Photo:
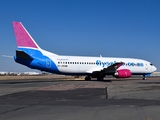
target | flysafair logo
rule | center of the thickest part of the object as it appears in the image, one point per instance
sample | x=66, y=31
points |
x=103, y=64
x=61, y=59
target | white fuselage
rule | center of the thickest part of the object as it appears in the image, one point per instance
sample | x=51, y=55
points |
x=31, y=55
x=81, y=64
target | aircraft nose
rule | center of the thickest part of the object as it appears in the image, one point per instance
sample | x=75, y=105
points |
x=155, y=68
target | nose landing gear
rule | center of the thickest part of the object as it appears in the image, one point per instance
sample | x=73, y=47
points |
x=144, y=77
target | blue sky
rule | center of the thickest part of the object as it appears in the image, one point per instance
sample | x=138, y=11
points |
x=113, y=28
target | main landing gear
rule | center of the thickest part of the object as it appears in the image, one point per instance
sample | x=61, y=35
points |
x=87, y=78
x=144, y=77
x=100, y=78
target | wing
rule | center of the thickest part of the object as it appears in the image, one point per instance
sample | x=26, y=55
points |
x=106, y=71
x=113, y=68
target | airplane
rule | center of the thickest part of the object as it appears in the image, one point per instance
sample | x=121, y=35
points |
x=28, y=53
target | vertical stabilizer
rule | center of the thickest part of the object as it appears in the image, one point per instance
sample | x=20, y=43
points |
x=23, y=38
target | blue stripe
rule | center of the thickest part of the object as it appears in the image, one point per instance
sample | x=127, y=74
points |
x=40, y=61
x=147, y=74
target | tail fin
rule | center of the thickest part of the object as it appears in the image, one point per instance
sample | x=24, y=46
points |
x=23, y=38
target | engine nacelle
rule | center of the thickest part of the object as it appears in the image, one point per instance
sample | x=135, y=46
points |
x=124, y=73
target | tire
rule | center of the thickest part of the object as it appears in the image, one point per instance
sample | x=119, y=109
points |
x=100, y=78
x=87, y=78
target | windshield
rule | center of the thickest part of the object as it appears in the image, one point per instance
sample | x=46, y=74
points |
x=151, y=64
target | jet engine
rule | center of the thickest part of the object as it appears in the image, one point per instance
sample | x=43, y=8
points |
x=123, y=73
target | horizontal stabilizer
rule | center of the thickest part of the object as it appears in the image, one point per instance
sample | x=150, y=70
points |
x=23, y=55
x=8, y=56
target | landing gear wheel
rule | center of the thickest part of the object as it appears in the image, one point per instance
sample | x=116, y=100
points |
x=87, y=78
x=100, y=78
x=144, y=77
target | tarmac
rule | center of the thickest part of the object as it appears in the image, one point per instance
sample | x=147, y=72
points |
x=60, y=99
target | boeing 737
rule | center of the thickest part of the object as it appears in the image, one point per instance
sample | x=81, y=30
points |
x=31, y=55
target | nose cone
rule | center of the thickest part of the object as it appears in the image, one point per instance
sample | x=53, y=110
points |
x=154, y=68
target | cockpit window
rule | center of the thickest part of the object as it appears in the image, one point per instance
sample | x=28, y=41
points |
x=151, y=64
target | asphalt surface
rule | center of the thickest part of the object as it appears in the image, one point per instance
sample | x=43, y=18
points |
x=124, y=99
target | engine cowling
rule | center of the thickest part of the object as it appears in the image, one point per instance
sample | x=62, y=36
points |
x=124, y=73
